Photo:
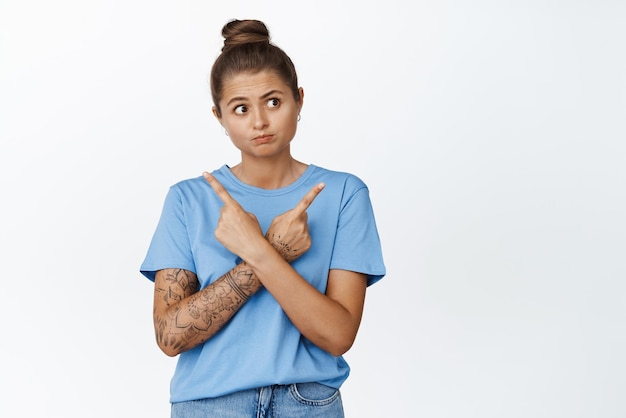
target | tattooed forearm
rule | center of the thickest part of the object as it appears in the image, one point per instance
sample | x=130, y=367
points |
x=184, y=317
x=286, y=251
x=179, y=283
x=242, y=282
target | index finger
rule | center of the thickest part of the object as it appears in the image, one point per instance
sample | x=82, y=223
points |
x=219, y=189
x=308, y=198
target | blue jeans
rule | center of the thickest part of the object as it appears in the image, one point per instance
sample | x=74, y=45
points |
x=306, y=400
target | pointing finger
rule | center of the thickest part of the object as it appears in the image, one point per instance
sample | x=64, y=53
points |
x=308, y=198
x=219, y=189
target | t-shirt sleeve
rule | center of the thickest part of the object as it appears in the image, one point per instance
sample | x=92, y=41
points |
x=170, y=246
x=357, y=244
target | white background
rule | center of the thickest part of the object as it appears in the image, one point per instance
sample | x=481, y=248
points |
x=491, y=135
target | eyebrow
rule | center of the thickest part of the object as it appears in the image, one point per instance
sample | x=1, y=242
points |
x=264, y=96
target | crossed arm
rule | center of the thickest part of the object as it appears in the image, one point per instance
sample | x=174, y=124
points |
x=185, y=317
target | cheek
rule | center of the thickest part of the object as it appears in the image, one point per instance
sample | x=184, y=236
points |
x=232, y=127
x=290, y=123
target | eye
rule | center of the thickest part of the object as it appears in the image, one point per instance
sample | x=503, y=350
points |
x=273, y=102
x=241, y=109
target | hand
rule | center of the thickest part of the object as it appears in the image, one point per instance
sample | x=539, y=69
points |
x=289, y=232
x=237, y=229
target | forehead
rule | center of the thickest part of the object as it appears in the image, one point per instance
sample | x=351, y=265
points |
x=252, y=85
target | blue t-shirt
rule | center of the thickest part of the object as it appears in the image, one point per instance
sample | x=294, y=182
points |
x=260, y=346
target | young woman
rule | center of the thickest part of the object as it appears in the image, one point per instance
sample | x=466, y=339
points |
x=260, y=269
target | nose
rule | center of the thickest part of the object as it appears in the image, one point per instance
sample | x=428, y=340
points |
x=260, y=119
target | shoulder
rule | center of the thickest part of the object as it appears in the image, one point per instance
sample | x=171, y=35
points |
x=189, y=185
x=193, y=192
x=349, y=181
x=198, y=182
x=198, y=185
x=187, y=190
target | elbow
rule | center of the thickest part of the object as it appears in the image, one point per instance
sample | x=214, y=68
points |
x=168, y=350
x=338, y=342
x=340, y=346
x=340, y=350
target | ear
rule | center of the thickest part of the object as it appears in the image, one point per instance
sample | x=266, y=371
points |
x=216, y=114
x=301, y=101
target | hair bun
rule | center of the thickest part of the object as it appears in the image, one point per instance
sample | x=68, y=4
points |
x=239, y=32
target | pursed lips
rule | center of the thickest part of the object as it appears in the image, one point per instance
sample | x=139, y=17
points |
x=262, y=138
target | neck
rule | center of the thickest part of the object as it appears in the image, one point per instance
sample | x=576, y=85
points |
x=269, y=174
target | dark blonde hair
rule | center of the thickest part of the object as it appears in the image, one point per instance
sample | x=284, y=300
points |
x=247, y=48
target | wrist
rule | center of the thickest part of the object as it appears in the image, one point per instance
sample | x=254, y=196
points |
x=260, y=253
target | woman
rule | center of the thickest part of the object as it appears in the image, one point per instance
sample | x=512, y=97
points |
x=260, y=269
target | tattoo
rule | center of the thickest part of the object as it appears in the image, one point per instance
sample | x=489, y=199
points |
x=282, y=247
x=228, y=278
x=179, y=279
x=194, y=316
